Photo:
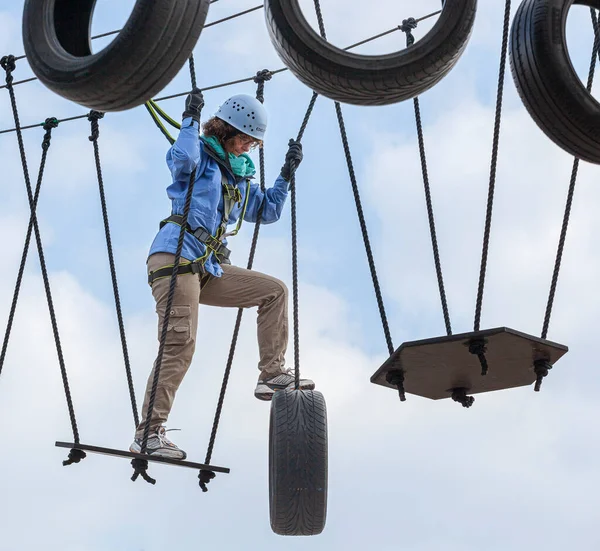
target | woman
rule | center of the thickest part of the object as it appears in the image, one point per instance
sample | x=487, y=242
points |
x=223, y=194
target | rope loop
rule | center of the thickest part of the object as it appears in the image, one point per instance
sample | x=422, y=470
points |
x=205, y=477
x=140, y=467
x=94, y=117
x=75, y=456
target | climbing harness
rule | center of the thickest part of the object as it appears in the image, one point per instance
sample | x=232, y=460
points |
x=213, y=244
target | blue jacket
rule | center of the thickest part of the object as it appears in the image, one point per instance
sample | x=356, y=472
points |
x=206, y=209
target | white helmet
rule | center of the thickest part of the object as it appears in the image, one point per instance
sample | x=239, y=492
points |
x=245, y=113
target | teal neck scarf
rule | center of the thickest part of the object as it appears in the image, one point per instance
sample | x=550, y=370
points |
x=241, y=165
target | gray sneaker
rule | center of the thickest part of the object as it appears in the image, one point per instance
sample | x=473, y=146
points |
x=159, y=445
x=266, y=388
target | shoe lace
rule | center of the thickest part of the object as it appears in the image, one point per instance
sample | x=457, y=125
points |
x=162, y=434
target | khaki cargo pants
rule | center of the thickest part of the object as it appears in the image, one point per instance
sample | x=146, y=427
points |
x=237, y=288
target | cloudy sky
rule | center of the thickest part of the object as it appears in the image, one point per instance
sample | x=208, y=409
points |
x=518, y=470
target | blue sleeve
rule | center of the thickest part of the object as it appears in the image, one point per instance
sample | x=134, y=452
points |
x=184, y=155
x=273, y=200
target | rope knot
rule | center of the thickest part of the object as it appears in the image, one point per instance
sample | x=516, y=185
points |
x=263, y=76
x=205, y=477
x=94, y=117
x=396, y=378
x=477, y=348
x=260, y=79
x=48, y=125
x=408, y=25
x=9, y=65
x=75, y=456
x=541, y=369
x=460, y=395
x=140, y=467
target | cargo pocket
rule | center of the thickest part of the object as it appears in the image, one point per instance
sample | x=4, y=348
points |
x=180, y=325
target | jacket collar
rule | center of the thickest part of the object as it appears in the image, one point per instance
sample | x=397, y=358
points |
x=226, y=165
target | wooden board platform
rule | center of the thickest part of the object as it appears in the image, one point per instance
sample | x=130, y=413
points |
x=433, y=367
x=150, y=458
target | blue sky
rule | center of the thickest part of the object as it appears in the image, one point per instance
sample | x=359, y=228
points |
x=516, y=470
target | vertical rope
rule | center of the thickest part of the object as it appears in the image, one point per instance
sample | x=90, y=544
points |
x=205, y=476
x=407, y=26
x=94, y=117
x=573, y=181
x=8, y=64
x=193, y=72
x=363, y=226
x=170, y=297
x=293, y=211
x=358, y=202
x=495, y=146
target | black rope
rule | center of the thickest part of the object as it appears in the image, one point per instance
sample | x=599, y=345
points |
x=495, y=146
x=574, y=172
x=139, y=466
x=193, y=72
x=260, y=79
x=477, y=347
x=408, y=25
x=294, y=224
x=206, y=476
x=460, y=395
x=358, y=202
x=541, y=369
x=365, y=234
x=50, y=123
x=94, y=117
x=396, y=378
x=75, y=456
x=8, y=64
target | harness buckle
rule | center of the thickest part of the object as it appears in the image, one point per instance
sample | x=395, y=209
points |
x=197, y=268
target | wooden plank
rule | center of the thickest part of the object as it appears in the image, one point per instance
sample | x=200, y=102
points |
x=131, y=455
x=433, y=367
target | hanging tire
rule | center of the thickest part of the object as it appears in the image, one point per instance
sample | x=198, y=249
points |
x=144, y=57
x=298, y=463
x=549, y=87
x=369, y=80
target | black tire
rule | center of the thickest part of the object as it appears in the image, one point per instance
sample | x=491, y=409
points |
x=549, y=87
x=298, y=463
x=144, y=57
x=369, y=80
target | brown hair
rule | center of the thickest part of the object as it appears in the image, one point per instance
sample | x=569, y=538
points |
x=223, y=131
